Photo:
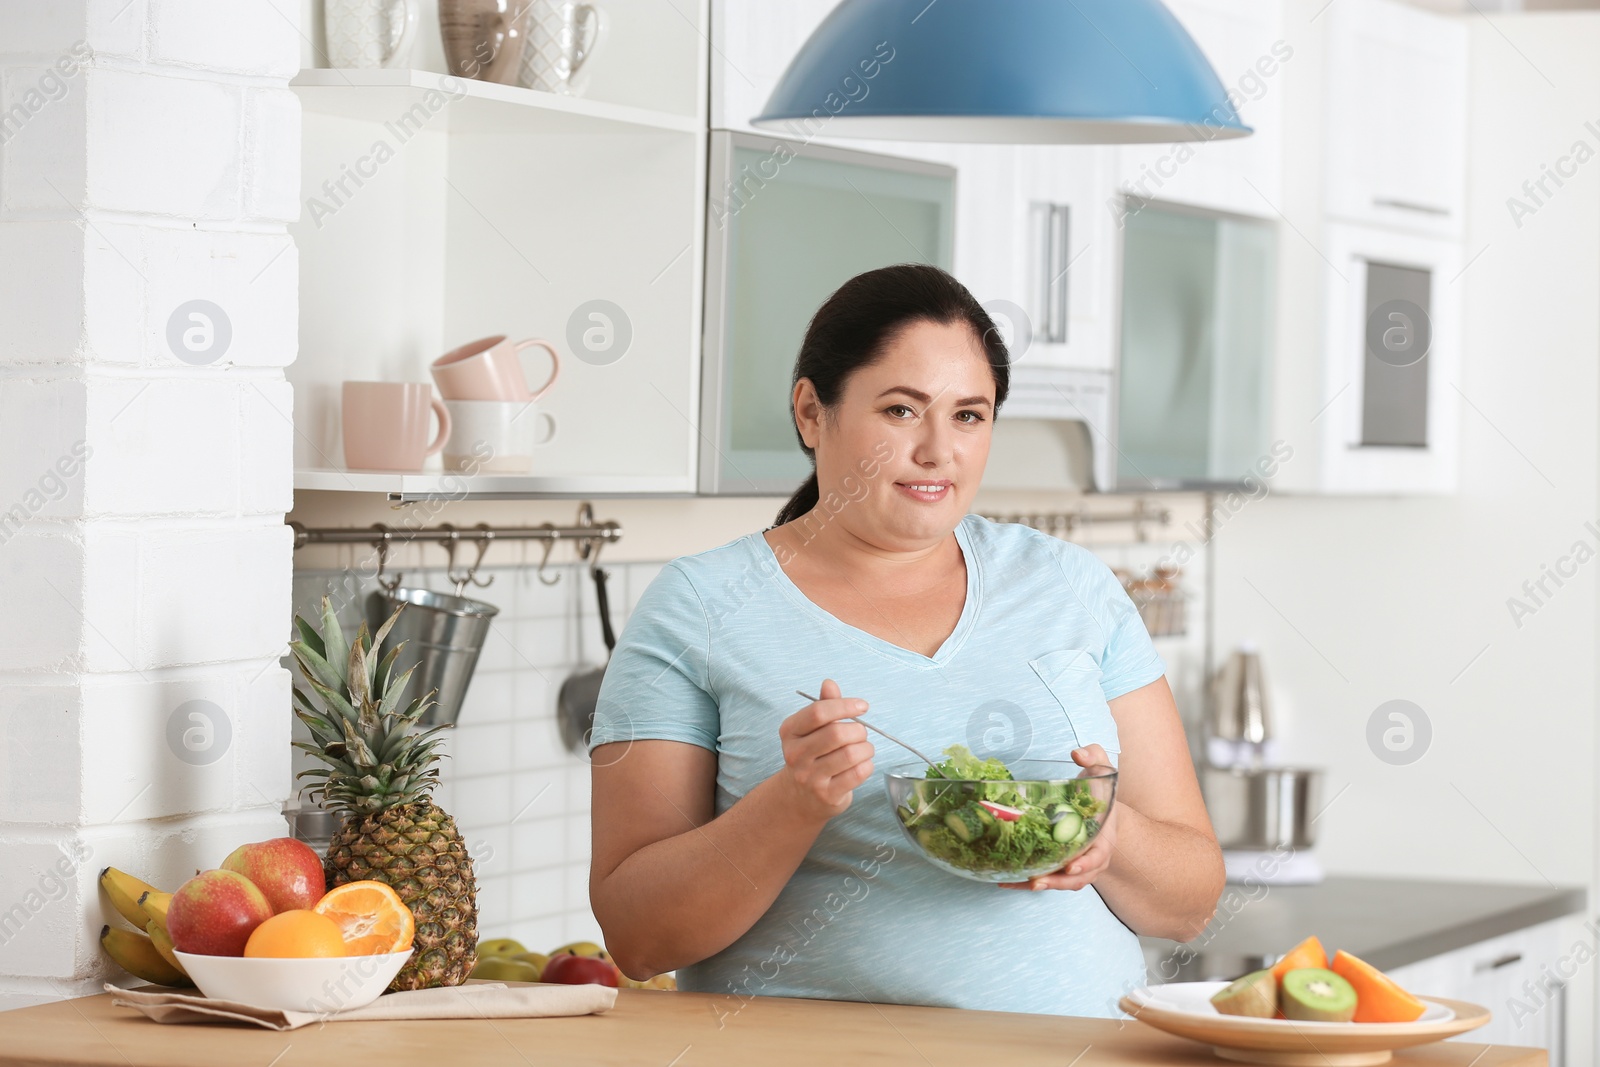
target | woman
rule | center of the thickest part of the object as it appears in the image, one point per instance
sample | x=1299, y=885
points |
x=748, y=844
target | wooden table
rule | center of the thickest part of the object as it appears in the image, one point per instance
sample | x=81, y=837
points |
x=647, y=1028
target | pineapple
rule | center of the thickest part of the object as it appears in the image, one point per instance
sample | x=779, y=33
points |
x=380, y=771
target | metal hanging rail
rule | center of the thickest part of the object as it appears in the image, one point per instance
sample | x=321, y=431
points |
x=588, y=534
x=1063, y=523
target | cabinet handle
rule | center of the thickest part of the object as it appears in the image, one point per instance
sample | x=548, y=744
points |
x=1053, y=225
x=1503, y=961
x=1406, y=205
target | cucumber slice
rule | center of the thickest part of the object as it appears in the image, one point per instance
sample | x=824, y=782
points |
x=1069, y=824
x=966, y=823
x=926, y=838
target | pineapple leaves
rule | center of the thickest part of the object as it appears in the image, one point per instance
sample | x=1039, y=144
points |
x=312, y=665
x=388, y=624
x=360, y=695
x=384, y=680
x=309, y=635
x=394, y=692
x=333, y=637
x=333, y=698
x=356, y=750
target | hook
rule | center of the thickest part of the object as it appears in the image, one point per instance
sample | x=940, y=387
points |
x=549, y=546
x=484, y=539
x=384, y=534
x=452, y=545
x=585, y=520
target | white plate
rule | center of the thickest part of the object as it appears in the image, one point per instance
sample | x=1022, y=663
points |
x=1184, y=1009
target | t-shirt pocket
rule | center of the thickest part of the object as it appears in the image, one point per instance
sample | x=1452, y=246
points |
x=1073, y=678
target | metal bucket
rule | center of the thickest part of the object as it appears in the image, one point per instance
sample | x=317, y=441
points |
x=443, y=634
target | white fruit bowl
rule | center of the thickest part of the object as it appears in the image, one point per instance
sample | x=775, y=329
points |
x=321, y=986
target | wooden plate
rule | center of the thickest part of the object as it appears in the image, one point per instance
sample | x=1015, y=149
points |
x=1184, y=1009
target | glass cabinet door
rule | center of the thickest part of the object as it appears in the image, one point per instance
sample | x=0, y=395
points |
x=1193, y=407
x=787, y=224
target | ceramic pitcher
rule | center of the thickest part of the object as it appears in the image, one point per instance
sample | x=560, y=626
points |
x=370, y=33
x=484, y=39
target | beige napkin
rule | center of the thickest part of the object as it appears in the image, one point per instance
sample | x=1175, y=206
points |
x=475, y=1000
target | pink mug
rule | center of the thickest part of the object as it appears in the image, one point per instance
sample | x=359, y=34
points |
x=386, y=425
x=489, y=369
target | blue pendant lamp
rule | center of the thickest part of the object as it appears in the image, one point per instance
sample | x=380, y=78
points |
x=1004, y=72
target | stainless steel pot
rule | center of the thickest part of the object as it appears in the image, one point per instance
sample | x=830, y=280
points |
x=443, y=634
x=1263, y=808
x=312, y=825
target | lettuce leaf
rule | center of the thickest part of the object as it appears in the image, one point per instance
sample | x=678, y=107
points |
x=959, y=762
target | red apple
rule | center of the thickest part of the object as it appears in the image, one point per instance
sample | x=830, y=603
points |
x=215, y=912
x=288, y=871
x=579, y=970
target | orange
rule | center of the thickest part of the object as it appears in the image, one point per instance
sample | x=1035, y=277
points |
x=374, y=919
x=1379, y=998
x=1308, y=953
x=296, y=934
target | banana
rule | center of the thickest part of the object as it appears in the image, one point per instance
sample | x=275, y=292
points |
x=163, y=944
x=154, y=904
x=138, y=955
x=124, y=891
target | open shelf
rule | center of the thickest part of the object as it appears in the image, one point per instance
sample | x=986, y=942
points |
x=401, y=487
x=470, y=106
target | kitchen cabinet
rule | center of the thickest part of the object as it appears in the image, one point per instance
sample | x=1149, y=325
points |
x=1065, y=254
x=1396, y=117
x=439, y=210
x=1390, y=404
x=790, y=222
x=1194, y=400
x=1246, y=43
x=1516, y=976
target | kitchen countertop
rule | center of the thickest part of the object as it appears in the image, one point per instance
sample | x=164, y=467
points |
x=647, y=1027
x=1387, y=922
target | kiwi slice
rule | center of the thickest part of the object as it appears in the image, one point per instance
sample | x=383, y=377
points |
x=1314, y=995
x=1255, y=995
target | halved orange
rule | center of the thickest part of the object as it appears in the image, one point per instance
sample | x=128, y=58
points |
x=1308, y=953
x=373, y=918
x=1379, y=998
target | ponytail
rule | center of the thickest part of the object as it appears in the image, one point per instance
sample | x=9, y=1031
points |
x=805, y=498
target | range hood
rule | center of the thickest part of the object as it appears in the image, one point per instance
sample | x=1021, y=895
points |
x=1054, y=431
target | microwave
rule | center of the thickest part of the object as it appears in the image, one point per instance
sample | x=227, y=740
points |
x=787, y=223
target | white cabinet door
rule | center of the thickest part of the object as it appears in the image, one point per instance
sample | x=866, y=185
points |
x=1390, y=416
x=1245, y=42
x=1397, y=116
x=1510, y=976
x=1066, y=254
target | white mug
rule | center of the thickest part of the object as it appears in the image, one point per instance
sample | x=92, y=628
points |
x=494, y=436
x=370, y=33
x=562, y=38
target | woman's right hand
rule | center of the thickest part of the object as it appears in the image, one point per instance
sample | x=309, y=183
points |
x=825, y=753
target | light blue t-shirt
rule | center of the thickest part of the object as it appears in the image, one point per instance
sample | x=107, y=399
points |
x=712, y=656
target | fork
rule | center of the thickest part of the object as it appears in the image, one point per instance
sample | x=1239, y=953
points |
x=875, y=729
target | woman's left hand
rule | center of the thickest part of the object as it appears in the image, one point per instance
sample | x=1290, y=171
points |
x=1092, y=862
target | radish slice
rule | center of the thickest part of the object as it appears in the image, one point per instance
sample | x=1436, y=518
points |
x=1001, y=812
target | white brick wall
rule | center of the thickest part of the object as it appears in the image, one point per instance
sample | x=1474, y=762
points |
x=149, y=158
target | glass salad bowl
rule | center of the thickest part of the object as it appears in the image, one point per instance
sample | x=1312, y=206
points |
x=1001, y=827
